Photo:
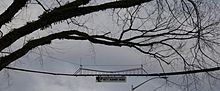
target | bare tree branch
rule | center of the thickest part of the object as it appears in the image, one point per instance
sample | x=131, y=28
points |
x=72, y=34
x=7, y=16
x=59, y=14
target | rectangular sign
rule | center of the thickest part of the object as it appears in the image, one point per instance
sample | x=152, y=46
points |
x=111, y=79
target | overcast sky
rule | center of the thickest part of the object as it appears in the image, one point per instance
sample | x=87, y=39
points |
x=66, y=56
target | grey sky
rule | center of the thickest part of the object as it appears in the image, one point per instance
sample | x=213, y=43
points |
x=65, y=57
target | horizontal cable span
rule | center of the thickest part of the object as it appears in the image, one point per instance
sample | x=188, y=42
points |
x=152, y=74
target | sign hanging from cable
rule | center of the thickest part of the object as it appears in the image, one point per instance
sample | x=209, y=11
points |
x=110, y=79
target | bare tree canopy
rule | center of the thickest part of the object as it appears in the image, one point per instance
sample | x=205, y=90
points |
x=181, y=35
